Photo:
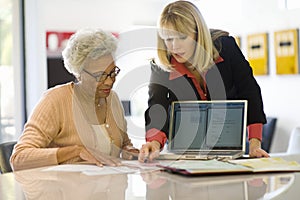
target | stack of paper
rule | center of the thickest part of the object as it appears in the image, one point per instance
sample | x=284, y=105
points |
x=198, y=167
x=268, y=164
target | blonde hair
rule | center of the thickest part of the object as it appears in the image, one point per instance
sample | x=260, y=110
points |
x=185, y=18
x=87, y=44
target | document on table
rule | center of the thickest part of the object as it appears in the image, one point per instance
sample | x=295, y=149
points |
x=268, y=164
x=89, y=169
x=190, y=167
x=92, y=169
x=255, y=165
x=143, y=166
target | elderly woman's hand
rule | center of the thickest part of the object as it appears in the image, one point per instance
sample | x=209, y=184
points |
x=129, y=153
x=70, y=152
x=100, y=159
x=255, y=149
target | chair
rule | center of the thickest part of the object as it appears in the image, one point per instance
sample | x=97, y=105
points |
x=294, y=142
x=6, y=149
x=267, y=135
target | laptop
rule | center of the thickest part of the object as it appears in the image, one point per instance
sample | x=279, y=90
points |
x=206, y=130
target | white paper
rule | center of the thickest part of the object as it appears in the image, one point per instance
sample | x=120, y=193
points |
x=92, y=169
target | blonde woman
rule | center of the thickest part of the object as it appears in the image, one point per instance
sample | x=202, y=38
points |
x=196, y=63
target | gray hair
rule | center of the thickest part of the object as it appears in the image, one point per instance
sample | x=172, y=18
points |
x=87, y=44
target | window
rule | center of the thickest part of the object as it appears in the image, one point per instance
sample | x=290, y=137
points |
x=10, y=109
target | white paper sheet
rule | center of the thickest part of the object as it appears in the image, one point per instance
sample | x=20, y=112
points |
x=128, y=166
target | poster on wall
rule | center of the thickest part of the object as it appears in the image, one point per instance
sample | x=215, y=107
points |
x=258, y=55
x=56, y=42
x=286, y=51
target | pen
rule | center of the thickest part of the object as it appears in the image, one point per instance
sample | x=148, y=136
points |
x=146, y=159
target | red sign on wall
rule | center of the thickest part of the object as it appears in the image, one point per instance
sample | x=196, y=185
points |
x=56, y=41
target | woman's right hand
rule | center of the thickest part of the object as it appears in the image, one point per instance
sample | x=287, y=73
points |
x=101, y=159
x=87, y=156
x=149, y=151
x=70, y=152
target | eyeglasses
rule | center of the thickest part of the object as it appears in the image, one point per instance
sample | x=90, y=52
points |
x=102, y=76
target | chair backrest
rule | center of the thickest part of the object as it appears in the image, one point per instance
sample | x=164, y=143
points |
x=294, y=142
x=267, y=134
x=6, y=149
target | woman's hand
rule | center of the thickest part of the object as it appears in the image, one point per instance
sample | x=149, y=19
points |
x=129, y=153
x=66, y=153
x=87, y=156
x=99, y=159
x=149, y=151
x=255, y=149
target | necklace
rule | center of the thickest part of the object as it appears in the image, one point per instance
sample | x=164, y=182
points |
x=101, y=111
x=101, y=102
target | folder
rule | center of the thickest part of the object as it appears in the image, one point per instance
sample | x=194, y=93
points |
x=240, y=166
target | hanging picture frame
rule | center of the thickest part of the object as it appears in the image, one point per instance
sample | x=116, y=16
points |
x=287, y=51
x=258, y=54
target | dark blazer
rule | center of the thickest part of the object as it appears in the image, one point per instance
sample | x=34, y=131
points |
x=230, y=79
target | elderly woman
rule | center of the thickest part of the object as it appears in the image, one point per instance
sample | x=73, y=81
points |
x=82, y=121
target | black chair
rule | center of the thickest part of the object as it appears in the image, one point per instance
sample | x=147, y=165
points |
x=267, y=135
x=6, y=149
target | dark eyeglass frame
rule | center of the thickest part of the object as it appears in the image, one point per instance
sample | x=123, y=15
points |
x=102, y=76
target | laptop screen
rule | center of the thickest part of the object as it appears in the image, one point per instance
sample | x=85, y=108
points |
x=207, y=125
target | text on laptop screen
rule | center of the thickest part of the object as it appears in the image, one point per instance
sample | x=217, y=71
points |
x=214, y=125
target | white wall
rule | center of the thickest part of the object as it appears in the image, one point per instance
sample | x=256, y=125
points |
x=241, y=17
x=70, y=15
